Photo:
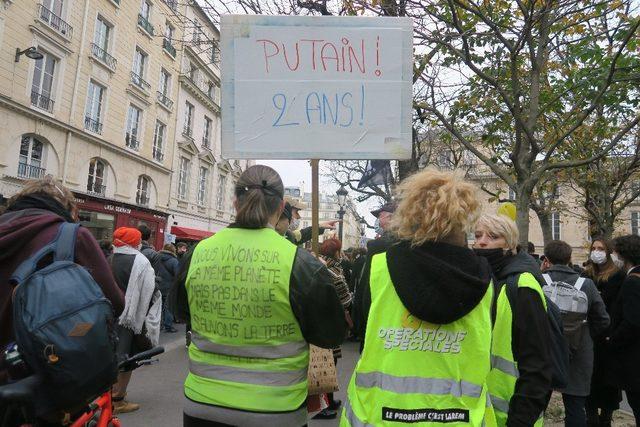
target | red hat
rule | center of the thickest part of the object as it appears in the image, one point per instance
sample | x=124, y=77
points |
x=127, y=236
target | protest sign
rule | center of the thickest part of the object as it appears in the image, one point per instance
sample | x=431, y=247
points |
x=303, y=87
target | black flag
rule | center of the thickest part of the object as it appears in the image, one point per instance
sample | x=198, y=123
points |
x=377, y=172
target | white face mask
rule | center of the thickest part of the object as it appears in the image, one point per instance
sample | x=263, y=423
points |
x=617, y=261
x=598, y=257
x=294, y=225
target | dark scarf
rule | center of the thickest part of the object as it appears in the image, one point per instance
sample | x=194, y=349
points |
x=497, y=258
x=40, y=201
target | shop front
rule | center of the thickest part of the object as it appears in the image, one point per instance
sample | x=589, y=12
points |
x=102, y=217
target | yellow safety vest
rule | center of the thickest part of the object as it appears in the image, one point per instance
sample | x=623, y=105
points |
x=247, y=350
x=504, y=368
x=412, y=371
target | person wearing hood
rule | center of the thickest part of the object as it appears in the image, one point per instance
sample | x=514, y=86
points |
x=557, y=268
x=140, y=320
x=166, y=272
x=520, y=379
x=427, y=313
x=625, y=325
x=605, y=394
x=30, y=222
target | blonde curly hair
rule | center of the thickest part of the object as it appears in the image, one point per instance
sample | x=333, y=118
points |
x=433, y=205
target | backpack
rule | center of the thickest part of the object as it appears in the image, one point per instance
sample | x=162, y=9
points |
x=558, y=345
x=574, y=306
x=64, y=326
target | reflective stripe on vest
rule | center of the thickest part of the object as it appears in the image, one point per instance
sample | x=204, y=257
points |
x=504, y=369
x=247, y=376
x=247, y=351
x=415, y=368
x=251, y=351
x=405, y=385
x=502, y=364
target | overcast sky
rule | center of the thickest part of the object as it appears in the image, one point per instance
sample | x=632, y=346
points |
x=297, y=173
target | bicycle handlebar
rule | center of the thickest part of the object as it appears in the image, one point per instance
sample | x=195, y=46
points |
x=22, y=391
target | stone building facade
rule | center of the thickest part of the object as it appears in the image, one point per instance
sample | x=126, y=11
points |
x=99, y=106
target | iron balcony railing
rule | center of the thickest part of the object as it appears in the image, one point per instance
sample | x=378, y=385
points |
x=103, y=56
x=29, y=171
x=145, y=24
x=41, y=101
x=139, y=81
x=173, y=4
x=162, y=99
x=158, y=154
x=93, y=125
x=131, y=141
x=54, y=21
x=166, y=44
x=206, y=143
x=96, y=189
x=142, y=199
x=188, y=132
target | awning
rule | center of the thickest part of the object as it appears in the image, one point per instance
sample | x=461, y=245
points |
x=186, y=233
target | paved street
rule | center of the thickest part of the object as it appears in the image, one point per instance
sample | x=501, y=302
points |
x=158, y=388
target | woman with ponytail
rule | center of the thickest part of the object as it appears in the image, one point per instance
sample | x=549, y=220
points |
x=255, y=302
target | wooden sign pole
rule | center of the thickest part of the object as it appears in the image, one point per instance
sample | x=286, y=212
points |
x=315, y=204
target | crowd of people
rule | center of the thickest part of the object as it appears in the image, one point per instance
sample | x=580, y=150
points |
x=451, y=331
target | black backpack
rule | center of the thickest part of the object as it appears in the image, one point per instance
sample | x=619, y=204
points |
x=559, y=347
x=64, y=326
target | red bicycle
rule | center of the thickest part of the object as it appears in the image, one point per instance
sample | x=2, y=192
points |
x=98, y=413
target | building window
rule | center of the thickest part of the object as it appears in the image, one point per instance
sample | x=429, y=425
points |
x=211, y=90
x=197, y=33
x=139, y=66
x=96, y=179
x=158, y=141
x=31, y=160
x=193, y=72
x=183, y=178
x=50, y=12
x=635, y=223
x=167, y=42
x=165, y=89
x=145, y=9
x=43, y=82
x=215, y=54
x=93, y=110
x=101, y=42
x=188, y=120
x=206, y=139
x=555, y=226
x=142, y=193
x=202, y=185
x=132, y=137
x=222, y=189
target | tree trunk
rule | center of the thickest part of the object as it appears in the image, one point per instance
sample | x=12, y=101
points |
x=545, y=224
x=522, y=216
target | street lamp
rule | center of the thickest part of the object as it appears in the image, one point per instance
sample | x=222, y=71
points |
x=30, y=52
x=342, y=199
x=363, y=226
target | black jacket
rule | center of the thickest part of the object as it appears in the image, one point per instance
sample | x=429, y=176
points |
x=313, y=299
x=530, y=345
x=166, y=270
x=625, y=333
x=302, y=236
x=581, y=364
x=437, y=282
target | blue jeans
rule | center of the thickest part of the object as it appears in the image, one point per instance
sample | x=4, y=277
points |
x=167, y=316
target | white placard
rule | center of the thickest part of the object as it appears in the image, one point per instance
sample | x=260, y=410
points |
x=304, y=87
